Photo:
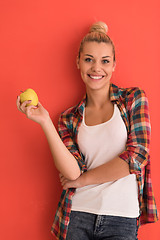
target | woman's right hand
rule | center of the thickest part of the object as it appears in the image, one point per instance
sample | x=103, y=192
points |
x=36, y=113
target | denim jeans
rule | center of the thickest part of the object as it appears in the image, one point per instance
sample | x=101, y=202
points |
x=88, y=226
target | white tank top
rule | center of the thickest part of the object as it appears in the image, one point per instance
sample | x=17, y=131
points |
x=99, y=144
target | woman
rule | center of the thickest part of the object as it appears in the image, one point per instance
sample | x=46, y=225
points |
x=102, y=153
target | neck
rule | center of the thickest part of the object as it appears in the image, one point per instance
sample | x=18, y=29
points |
x=98, y=98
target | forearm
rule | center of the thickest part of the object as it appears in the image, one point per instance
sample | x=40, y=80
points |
x=63, y=159
x=110, y=171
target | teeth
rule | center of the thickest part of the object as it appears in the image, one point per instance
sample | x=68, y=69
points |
x=95, y=77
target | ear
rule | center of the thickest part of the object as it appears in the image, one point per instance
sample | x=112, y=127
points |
x=114, y=65
x=77, y=62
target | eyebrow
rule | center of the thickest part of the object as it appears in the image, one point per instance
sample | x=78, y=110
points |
x=93, y=57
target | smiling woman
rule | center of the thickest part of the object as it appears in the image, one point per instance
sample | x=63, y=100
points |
x=110, y=191
x=102, y=157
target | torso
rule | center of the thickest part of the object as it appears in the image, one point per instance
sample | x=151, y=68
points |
x=94, y=116
x=99, y=144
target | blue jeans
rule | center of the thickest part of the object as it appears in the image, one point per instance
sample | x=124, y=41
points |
x=88, y=226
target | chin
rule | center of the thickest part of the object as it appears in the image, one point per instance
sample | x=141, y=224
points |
x=97, y=85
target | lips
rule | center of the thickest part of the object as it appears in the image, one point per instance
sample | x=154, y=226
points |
x=96, y=77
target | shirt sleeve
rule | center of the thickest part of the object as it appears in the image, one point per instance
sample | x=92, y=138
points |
x=66, y=134
x=137, y=146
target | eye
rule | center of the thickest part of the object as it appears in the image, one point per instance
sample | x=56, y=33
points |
x=88, y=59
x=105, y=61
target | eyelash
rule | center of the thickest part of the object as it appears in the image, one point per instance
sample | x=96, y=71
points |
x=103, y=61
x=88, y=59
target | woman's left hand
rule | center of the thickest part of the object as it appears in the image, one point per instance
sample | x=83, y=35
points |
x=66, y=183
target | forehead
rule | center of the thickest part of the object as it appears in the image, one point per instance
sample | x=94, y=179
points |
x=97, y=49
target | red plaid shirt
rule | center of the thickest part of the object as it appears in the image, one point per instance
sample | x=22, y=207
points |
x=133, y=105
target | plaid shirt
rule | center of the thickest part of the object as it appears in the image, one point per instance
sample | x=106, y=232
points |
x=133, y=105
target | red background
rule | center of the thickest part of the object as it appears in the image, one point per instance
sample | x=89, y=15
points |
x=38, y=47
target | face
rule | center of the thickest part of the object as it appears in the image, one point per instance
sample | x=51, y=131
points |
x=96, y=64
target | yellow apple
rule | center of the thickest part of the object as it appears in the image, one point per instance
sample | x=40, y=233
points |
x=29, y=94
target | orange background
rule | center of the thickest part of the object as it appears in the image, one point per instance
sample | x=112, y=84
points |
x=38, y=46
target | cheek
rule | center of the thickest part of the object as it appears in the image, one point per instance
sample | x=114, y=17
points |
x=83, y=70
x=110, y=69
x=82, y=75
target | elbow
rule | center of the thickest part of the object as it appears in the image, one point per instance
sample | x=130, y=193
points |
x=73, y=172
x=70, y=174
x=73, y=176
x=136, y=157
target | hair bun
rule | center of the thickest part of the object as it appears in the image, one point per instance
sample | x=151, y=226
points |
x=99, y=27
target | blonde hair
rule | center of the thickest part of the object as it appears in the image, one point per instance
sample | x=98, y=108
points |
x=97, y=33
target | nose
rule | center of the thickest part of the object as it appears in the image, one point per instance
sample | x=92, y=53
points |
x=96, y=67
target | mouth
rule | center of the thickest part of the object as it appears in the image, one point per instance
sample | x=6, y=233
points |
x=95, y=77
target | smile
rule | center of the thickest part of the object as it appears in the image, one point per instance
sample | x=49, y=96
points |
x=95, y=77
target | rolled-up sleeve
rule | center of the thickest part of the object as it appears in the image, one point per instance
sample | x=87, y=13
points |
x=66, y=134
x=137, y=147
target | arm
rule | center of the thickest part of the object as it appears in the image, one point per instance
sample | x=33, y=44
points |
x=110, y=171
x=137, y=148
x=65, y=162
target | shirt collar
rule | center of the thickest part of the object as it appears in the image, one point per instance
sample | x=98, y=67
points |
x=114, y=95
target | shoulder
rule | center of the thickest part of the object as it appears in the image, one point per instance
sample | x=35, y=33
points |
x=71, y=115
x=75, y=110
x=133, y=97
x=132, y=92
x=68, y=114
x=70, y=111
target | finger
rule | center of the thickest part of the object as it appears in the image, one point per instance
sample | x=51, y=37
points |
x=28, y=110
x=24, y=105
x=61, y=176
x=39, y=104
x=65, y=187
x=18, y=103
x=64, y=181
